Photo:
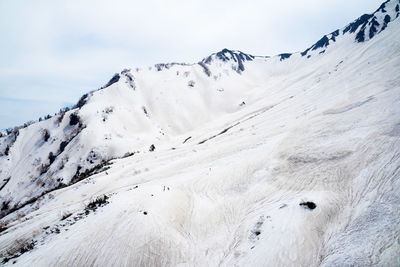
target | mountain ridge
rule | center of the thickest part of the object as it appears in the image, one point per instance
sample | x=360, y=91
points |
x=239, y=56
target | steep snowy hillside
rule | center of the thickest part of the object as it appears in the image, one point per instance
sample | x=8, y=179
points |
x=237, y=160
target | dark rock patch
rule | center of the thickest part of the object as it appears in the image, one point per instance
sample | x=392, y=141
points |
x=52, y=157
x=373, y=28
x=309, y=205
x=74, y=119
x=283, y=206
x=145, y=111
x=5, y=181
x=284, y=56
x=63, y=145
x=352, y=27
x=205, y=68
x=334, y=35
x=113, y=80
x=360, y=37
x=95, y=204
x=305, y=52
x=382, y=7
x=386, y=21
x=323, y=42
x=82, y=101
x=3, y=228
x=46, y=135
x=66, y=216
x=186, y=139
x=80, y=175
x=227, y=55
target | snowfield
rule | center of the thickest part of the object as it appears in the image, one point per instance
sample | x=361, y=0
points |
x=238, y=160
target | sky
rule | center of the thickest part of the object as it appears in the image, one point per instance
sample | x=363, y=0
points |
x=54, y=51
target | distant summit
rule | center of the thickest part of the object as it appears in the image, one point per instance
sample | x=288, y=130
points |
x=364, y=28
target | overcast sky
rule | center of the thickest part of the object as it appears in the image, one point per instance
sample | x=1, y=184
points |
x=51, y=52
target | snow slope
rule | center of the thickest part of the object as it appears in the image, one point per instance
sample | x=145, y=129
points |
x=207, y=164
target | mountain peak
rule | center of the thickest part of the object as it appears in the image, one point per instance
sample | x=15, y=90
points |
x=226, y=55
x=364, y=28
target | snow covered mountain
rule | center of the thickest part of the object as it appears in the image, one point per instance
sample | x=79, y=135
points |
x=237, y=160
